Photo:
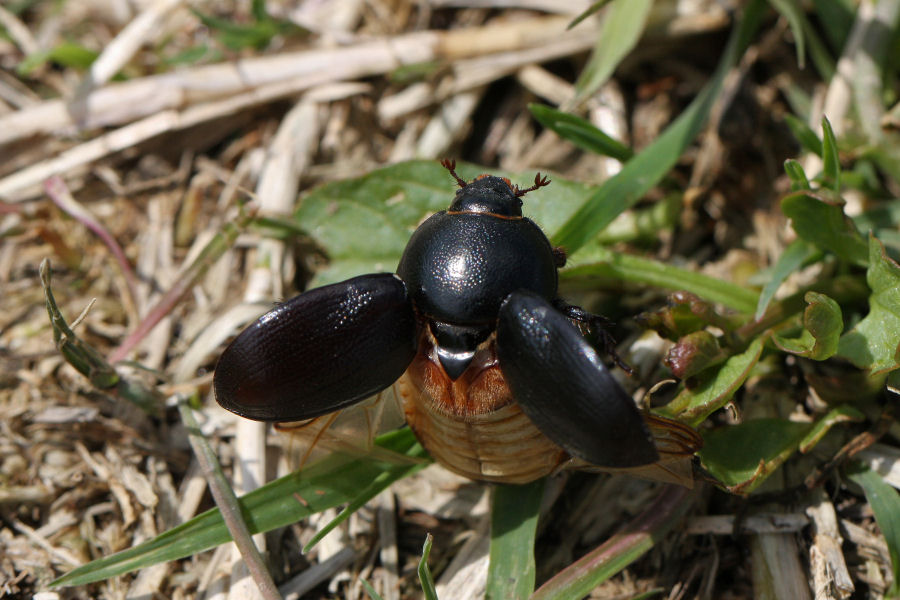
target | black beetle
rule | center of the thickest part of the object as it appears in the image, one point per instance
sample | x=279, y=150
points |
x=491, y=367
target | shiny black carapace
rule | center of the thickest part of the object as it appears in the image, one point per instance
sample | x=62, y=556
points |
x=490, y=366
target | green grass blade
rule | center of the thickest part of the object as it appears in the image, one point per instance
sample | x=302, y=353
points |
x=514, y=516
x=620, y=550
x=794, y=256
x=593, y=8
x=370, y=590
x=622, y=27
x=598, y=262
x=646, y=169
x=333, y=481
x=580, y=132
x=792, y=12
x=830, y=158
x=885, y=503
x=425, y=577
x=804, y=134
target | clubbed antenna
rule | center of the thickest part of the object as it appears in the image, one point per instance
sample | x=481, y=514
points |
x=450, y=165
x=539, y=182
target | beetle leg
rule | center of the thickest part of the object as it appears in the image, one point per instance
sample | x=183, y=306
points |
x=319, y=352
x=598, y=326
x=561, y=384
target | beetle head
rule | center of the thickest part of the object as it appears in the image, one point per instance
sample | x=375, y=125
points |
x=489, y=194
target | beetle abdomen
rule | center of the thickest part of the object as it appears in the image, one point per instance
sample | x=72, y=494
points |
x=471, y=425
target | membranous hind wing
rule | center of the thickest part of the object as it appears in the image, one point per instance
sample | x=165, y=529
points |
x=676, y=444
x=349, y=432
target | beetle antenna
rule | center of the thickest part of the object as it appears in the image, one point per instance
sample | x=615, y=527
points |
x=539, y=182
x=450, y=165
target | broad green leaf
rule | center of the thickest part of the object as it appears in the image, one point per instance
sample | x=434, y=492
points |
x=580, y=132
x=794, y=256
x=838, y=414
x=794, y=16
x=622, y=27
x=646, y=169
x=363, y=224
x=333, y=481
x=693, y=354
x=514, y=516
x=822, y=223
x=830, y=158
x=684, y=313
x=794, y=170
x=742, y=456
x=822, y=326
x=886, y=215
x=714, y=390
x=599, y=262
x=804, y=134
x=874, y=343
x=885, y=503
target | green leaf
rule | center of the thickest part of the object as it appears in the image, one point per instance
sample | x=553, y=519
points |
x=714, y=390
x=794, y=170
x=425, y=577
x=590, y=10
x=836, y=18
x=804, y=134
x=580, y=132
x=742, y=456
x=643, y=171
x=66, y=54
x=683, y=313
x=830, y=158
x=822, y=222
x=335, y=480
x=874, y=343
x=794, y=16
x=622, y=27
x=794, y=256
x=838, y=414
x=194, y=55
x=258, y=34
x=388, y=204
x=599, y=262
x=693, y=354
x=885, y=503
x=514, y=516
x=370, y=590
x=822, y=326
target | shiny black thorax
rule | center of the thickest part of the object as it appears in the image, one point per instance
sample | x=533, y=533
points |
x=461, y=264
